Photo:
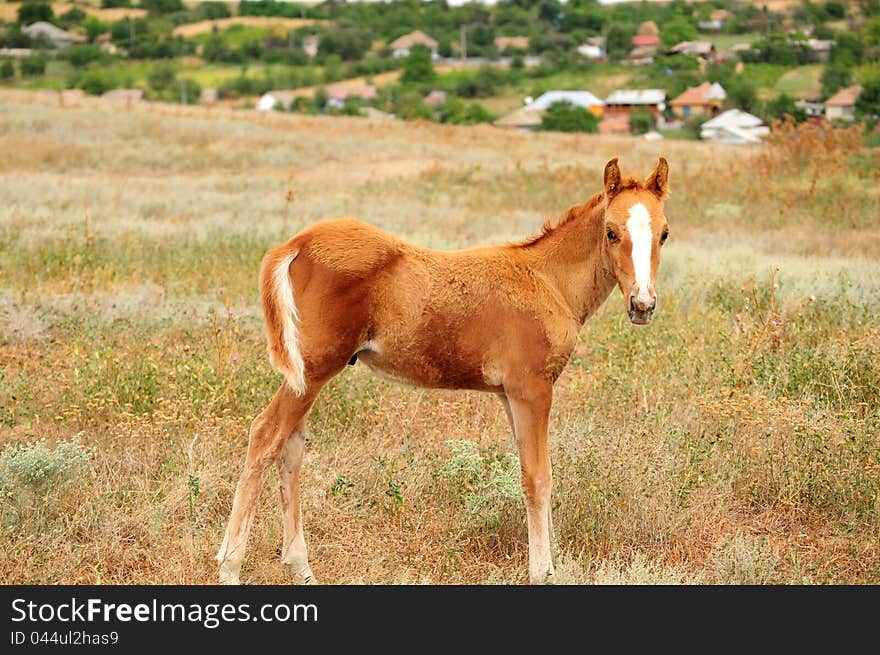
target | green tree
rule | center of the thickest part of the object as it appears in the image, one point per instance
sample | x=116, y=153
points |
x=409, y=106
x=619, y=40
x=566, y=117
x=73, y=17
x=641, y=121
x=95, y=27
x=677, y=30
x=82, y=54
x=741, y=93
x=835, y=76
x=95, y=82
x=782, y=106
x=33, y=65
x=871, y=31
x=848, y=49
x=7, y=70
x=459, y=112
x=161, y=77
x=418, y=68
x=160, y=7
x=31, y=12
x=868, y=102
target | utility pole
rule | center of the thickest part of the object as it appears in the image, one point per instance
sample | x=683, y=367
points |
x=463, y=42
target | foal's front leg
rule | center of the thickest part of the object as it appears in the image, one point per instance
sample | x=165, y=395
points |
x=529, y=410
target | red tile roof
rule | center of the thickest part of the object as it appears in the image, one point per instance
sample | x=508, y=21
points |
x=845, y=97
x=642, y=40
x=695, y=95
x=413, y=38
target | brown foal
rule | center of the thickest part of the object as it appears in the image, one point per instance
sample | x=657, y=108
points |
x=502, y=319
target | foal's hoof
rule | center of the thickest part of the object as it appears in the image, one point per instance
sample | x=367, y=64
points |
x=305, y=576
x=543, y=578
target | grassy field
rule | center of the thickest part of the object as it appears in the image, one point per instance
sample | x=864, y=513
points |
x=736, y=440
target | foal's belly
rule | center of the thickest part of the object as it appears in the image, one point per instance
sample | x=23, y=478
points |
x=433, y=370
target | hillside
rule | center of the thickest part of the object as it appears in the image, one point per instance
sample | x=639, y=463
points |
x=734, y=441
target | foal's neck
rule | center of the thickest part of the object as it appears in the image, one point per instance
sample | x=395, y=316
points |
x=572, y=256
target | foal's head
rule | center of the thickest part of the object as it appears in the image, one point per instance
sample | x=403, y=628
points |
x=635, y=229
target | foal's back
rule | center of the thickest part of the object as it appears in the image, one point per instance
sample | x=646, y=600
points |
x=430, y=318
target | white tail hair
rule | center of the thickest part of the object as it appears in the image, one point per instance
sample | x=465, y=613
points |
x=292, y=366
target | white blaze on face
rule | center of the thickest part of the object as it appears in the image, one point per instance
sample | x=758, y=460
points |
x=639, y=226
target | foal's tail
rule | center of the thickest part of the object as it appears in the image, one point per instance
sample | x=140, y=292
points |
x=279, y=310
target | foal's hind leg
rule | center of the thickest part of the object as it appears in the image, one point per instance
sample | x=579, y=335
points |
x=269, y=434
x=293, y=548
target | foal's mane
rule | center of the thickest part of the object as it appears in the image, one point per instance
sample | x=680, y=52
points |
x=584, y=210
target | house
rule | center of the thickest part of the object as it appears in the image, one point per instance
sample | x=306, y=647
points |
x=648, y=35
x=618, y=124
x=814, y=109
x=512, y=42
x=716, y=21
x=624, y=101
x=702, y=49
x=583, y=99
x=435, y=98
x=338, y=93
x=126, y=97
x=310, y=45
x=642, y=55
x=734, y=126
x=523, y=118
x=531, y=115
x=56, y=36
x=842, y=105
x=276, y=100
x=822, y=48
x=105, y=41
x=591, y=49
x=374, y=114
x=208, y=96
x=400, y=47
x=703, y=99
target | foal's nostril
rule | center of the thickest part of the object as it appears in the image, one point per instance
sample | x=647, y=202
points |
x=641, y=304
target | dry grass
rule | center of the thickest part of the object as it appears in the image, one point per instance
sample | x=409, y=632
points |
x=734, y=441
x=201, y=27
x=9, y=11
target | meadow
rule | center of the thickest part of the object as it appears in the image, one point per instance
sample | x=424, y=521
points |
x=734, y=441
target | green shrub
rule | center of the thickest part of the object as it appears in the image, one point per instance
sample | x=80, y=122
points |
x=488, y=481
x=161, y=77
x=29, y=473
x=641, y=121
x=81, y=55
x=31, y=12
x=565, y=117
x=96, y=82
x=458, y=112
x=33, y=65
x=7, y=70
x=418, y=66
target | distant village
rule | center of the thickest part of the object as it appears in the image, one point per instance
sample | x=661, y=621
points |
x=733, y=126
x=707, y=110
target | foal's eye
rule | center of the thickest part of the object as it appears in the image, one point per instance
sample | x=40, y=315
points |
x=612, y=236
x=664, y=236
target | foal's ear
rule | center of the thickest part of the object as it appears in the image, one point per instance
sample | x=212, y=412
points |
x=658, y=181
x=612, y=179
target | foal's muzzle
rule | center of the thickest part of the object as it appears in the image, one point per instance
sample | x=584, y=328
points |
x=640, y=312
